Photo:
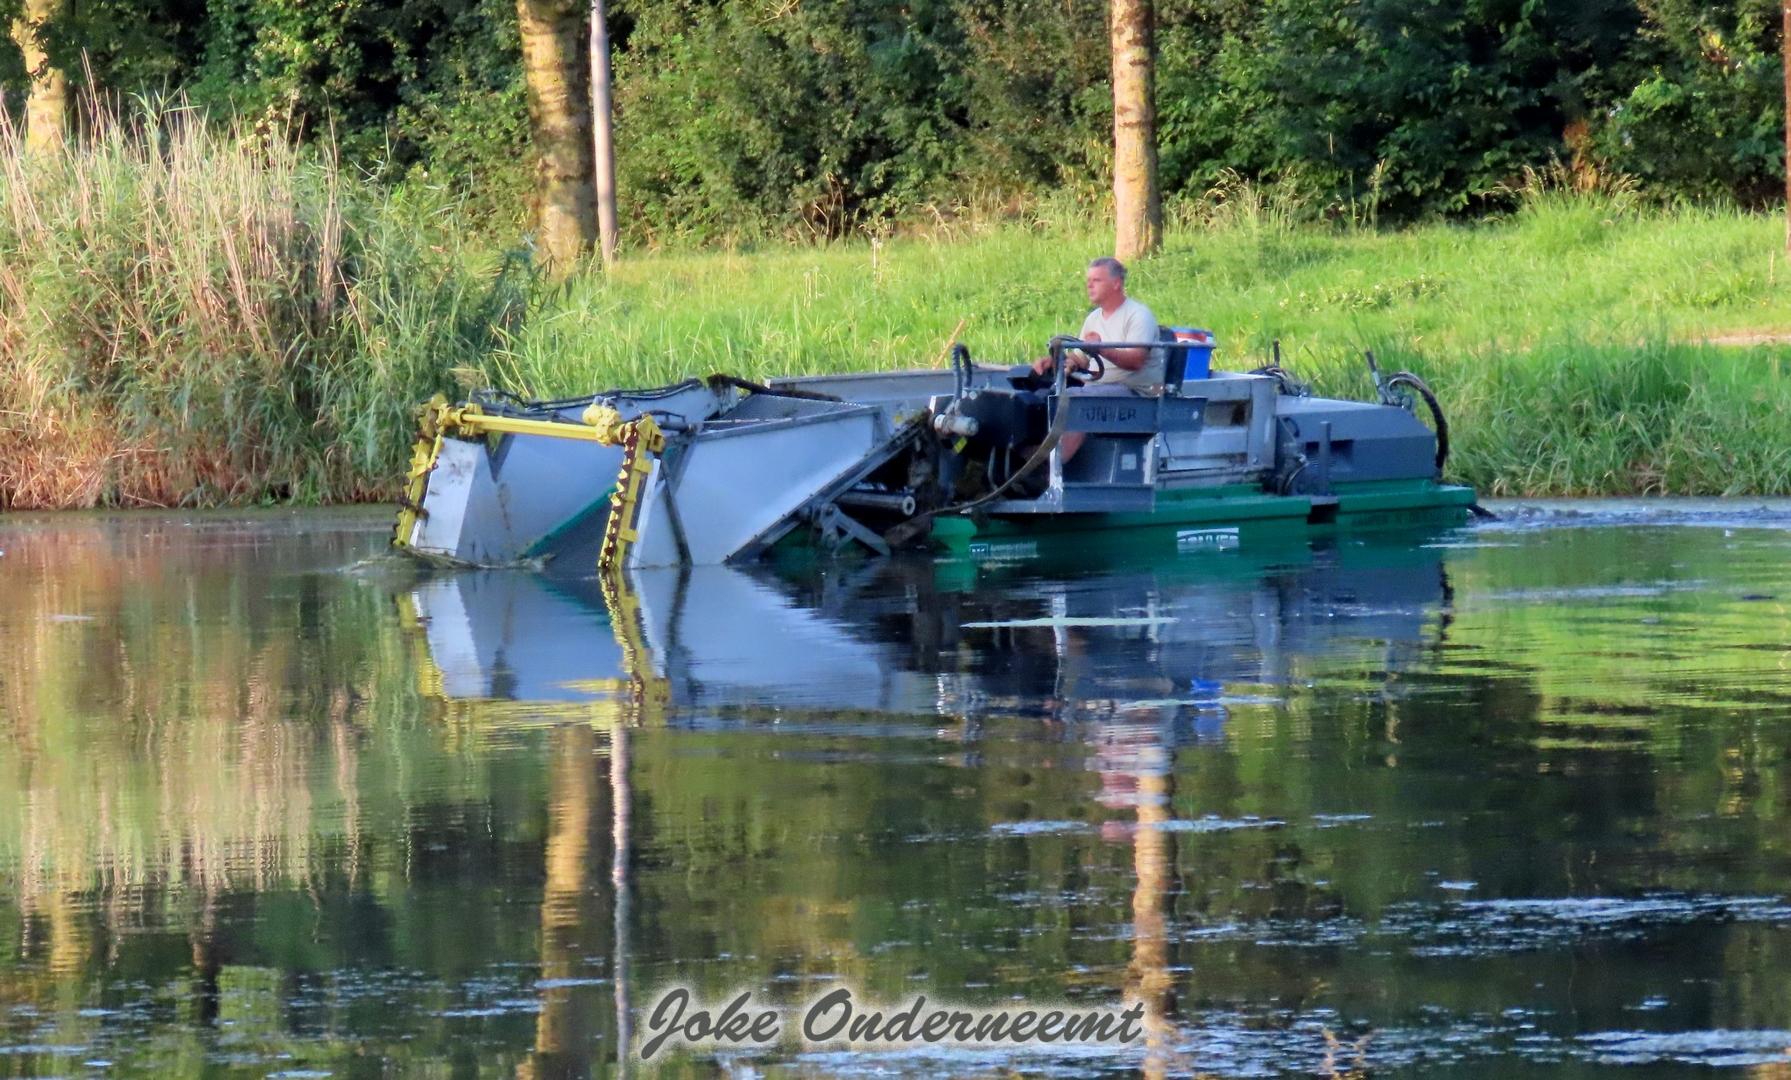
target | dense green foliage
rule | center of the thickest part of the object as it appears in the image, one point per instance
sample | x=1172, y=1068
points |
x=746, y=118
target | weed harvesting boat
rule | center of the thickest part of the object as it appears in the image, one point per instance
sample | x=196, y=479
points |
x=967, y=459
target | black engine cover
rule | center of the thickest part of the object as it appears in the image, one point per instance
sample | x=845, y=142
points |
x=1005, y=418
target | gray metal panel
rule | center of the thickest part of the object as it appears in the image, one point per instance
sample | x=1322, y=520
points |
x=490, y=519
x=1236, y=443
x=459, y=468
x=535, y=492
x=1110, y=459
x=657, y=541
x=1228, y=386
x=1107, y=414
x=1368, y=441
x=897, y=392
x=737, y=484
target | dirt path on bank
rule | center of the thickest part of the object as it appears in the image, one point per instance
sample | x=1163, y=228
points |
x=1745, y=338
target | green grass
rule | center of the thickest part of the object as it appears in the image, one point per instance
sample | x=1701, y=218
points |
x=198, y=317
x=1564, y=341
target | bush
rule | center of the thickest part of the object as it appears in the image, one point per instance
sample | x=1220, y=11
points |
x=1707, y=119
x=809, y=121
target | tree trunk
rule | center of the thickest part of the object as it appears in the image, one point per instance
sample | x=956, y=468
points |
x=47, y=106
x=1137, y=209
x=1787, y=62
x=601, y=133
x=560, y=122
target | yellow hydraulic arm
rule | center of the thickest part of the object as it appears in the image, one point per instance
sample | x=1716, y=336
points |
x=638, y=438
x=437, y=420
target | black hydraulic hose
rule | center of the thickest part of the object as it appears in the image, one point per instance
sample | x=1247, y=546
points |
x=1284, y=380
x=1422, y=389
x=531, y=406
x=960, y=368
x=748, y=385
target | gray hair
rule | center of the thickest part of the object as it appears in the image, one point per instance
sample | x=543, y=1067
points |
x=1112, y=266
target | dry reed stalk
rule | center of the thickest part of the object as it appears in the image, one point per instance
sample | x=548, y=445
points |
x=192, y=286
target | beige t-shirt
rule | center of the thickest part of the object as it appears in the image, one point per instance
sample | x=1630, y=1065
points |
x=1130, y=321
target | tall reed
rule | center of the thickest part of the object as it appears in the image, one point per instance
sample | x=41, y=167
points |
x=192, y=314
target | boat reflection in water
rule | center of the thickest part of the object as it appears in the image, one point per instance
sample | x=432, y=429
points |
x=1133, y=659
x=921, y=638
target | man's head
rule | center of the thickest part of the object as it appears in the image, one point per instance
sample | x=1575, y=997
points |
x=1106, y=283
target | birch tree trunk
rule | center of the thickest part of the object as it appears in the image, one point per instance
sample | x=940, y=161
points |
x=553, y=64
x=1138, y=211
x=601, y=133
x=46, y=108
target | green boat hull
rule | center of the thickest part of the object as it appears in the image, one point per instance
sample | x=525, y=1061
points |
x=1213, y=519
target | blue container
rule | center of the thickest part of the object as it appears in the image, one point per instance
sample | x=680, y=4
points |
x=1199, y=359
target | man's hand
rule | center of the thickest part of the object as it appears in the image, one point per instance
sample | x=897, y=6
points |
x=1124, y=359
x=1074, y=360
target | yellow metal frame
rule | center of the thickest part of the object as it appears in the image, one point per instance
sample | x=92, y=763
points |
x=436, y=420
x=423, y=454
x=639, y=437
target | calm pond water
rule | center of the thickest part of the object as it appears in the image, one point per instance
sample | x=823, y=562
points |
x=1513, y=798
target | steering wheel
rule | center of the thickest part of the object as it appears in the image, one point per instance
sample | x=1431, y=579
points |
x=1095, y=372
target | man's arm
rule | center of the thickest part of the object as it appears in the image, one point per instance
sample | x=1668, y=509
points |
x=1129, y=359
x=1140, y=325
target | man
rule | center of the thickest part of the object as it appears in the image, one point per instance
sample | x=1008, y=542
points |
x=1116, y=317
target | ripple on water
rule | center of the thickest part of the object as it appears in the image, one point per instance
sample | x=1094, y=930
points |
x=1482, y=927
x=1040, y=828
x=1718, y=1048
x=1210, y=823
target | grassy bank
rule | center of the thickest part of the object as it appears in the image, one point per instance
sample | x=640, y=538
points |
x=1565, y=342
x=188, y=317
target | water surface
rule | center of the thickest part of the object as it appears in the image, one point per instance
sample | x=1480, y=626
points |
x=1482, y=801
